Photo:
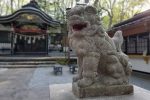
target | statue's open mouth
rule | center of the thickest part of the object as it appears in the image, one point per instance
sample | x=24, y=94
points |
x=79, y=27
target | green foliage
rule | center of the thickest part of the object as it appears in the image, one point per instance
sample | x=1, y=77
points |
x=62, y=61
x=9, y=6
x=105, y=20
x=115, y=11
x=55, y=8
x=111, y=11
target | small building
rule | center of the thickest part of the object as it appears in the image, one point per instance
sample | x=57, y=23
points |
x=136, y=33
x=26, y=31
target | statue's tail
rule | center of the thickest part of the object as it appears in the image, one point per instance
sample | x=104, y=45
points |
x=118, y=40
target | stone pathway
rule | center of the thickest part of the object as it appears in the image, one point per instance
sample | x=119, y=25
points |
x=30, y=83
x=141, y=80
x=13, y=83
x=33, y=83
x=45, y=76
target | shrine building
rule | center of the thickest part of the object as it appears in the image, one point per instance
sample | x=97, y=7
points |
x=136, y=33
x=26, y=30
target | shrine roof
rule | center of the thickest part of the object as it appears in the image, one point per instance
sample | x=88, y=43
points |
x=31, y=8
x=134, y=18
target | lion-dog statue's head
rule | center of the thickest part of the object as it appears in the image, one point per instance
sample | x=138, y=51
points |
x=83, y=21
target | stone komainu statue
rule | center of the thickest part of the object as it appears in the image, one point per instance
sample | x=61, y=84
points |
x=100, y=59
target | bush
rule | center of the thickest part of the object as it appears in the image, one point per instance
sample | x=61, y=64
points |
x=62, y=61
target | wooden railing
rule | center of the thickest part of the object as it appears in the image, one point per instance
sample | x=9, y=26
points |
x=145, y=58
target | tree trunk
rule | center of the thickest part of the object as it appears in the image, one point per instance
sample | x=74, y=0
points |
x=11, y=6
x=110, y=22
x=95, y=3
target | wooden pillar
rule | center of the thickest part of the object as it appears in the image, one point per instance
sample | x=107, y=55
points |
x=46, y=37
x=126, y=44
x=12, y=40
x=148, y=44
x=136, y=44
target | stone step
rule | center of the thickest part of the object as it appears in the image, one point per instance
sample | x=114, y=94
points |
x=16, y=59
x=26, y=66
x=20, y=62
x=27, y=62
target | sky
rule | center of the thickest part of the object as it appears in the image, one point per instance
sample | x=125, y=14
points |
x=146, y=6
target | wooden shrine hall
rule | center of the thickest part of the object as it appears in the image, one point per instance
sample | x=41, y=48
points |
x=136, y=32
x=26, y=30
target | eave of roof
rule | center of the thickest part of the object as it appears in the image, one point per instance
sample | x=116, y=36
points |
x=134, y=18
x=29, y=9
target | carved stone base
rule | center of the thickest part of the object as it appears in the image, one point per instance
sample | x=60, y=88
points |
x=100, y=90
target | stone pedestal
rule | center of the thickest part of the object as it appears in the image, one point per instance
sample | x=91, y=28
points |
x=64, y=92
x=100, y=90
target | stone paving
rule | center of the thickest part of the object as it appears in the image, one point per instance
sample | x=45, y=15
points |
x=13, y=84
x=63, y=92
x=33, y=83
x=30, y=83
x=141, y=80
x=45, y=76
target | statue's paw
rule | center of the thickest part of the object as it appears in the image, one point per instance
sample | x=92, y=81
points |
x=129, y=65
x=76, y=78
x=128, y=69
x=81, y=52
x=113, y=81
x=85, y=82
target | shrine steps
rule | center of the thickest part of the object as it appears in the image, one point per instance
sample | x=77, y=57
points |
x=28, y=62
x=12, y=64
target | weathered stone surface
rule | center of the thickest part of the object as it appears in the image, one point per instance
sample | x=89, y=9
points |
x=100, y=58
x=101, y=90
x=63, y=92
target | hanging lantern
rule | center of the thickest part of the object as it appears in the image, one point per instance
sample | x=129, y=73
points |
x=34, y=39
x=137, y=38
x=12, y=29
x=15, y=39
x=39, y=37
x=20, y=37
x=29, y=40
x=128, y=39
x=16, y=36
x=47, y=31
x=25, y=38
x=43, y=37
